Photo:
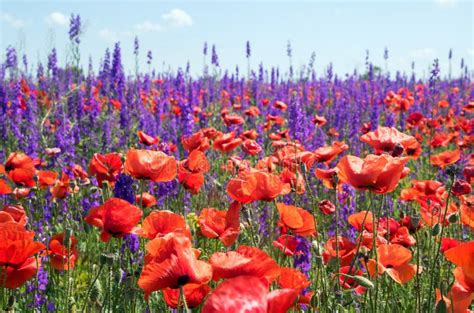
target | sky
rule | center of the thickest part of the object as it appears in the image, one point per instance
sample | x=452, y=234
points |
x=337, y=31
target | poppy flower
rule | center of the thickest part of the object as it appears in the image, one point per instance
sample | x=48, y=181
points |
x=291, y=278
x=116, y=217
x=63, y=255
x=467, y=211
x=106, y=167
x=392, y=141
x=193, y=294
x=293, y=181
x=462, y=256
x=20, y=168
x=319, y=120
x=52, y=151
x=5, y=189
x=280, y=105
x=46, y=178
x=251, y=147
x=248, y=294
x=347, y=250
x=394, y=260
x=349, y=282
x=461, y=187
x=377, y=173
x=79, y=172
x=171, y=263
x=146, y=139
x=286, y=244
x=252, y=111
x=145, y=199
x=195, y=141
x=153, y=165
x=224, y=225
x=61, y=188
x=445, y=158
x=17, y=250
x=448, y=243
x=255, y=185
x=329, y=177
x=424, y=189
x=227, y=142
x=244, y=260
x=13, y=213
x=402, y=237
x=233, y=119
x=326, y=207
x=191, y=171
x=298, y=220
x=328, y=153
x=161, y=223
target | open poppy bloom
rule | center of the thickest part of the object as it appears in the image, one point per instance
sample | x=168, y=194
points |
x=193, y=294
x=291, y=278
x=195, y=141
x=13, y=213
x=5, y=189
x=328, y=153
x=63, y=256
x=244, y=260
x=251, y=147
x=17, y=250
x=191, y=171
x=227, y=142
x=106, y=167
x=467, y=211
x=255, y=185
x=394, y=260
x=61, y=188
x=224, y=225
x=445, y=158
x=377, y=173
x=153, y=165
x=249, y=294
x=298, y=220
x=146, y=139
x=116, y=217
x=161, y=223
x=286, y=244
x=171, y=263
x=145, y=199
x=390, y=140
x=46, y=178
x=20, y=168
x=347, y=250
x=328, y=177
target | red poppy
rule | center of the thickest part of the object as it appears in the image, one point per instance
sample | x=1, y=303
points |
x=145, y=200
x=329, y=176
x=233, y=120
x=291, y=278
x=249, y=294
x=153, y=165
x=227, y=142
x=253, y=186
x=251, y=147
x=326, y=207
x=46, y=178
x=171, y=263
x=394, y=260
x=467, y=211
x=147, y=140
x=347, y=250
x=63, y=255
x=461, y=187
x=224, y=225
x=328, y=153
x=195, y=141
x=191, y=171
x=377, y=173
x=161, y=223
x=193, y=294
x=5, y=189
x=298, y=220
x=244, y=261
x=358, y=219
x=106, y=167
x=280, y=105
x=286, y=244
x=61, y=188
x=445, y=158
x=463, y=256
x=293, y=181
x=79, y=172
x=17, y=250
x=116, y=217
x=20, y=168
x=252, y=111
x=390, y=140
x=13, y=213
x=448, y=243
x=319, y=120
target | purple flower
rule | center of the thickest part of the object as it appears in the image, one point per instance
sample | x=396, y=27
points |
x=75, y=28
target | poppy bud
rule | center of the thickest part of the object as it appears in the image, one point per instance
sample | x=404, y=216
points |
x=452, y=170
x=461, y=187
x=10, y=304
x=361, y=280
x=326, y=207
x=414, y=222
x=453, y=218
x=107, y=259
x=436, y=230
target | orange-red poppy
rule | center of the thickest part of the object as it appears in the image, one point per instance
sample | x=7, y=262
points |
x=251, y=147
x=347, y=250
x=63, y=255
x=328, y=177
x=191, y=171
x=17, y=250
x=296, y=219
x=377, y=173
x=161, y=223
x=244, y=260
x=280, y=105
x=394, y=260
x=292, y=279
x=249, y=294
x=445, y=158
x=467, y=211
x=286, y=244
x=193, y=294
x=46, y=178
x=5, y=189
x=20, y=168
x=153, y=165
x=146, y=139
x=255, y=185
x=224, y=225
x=293, y=181
x=116, y=217
x=328, y=153
x=13, y=213
x=227, y=142
x=195, y=141
x=171, y=263
x=61, y=188
x=233, y=119
x=392, y=141
x=106, y=167
x=145, y=200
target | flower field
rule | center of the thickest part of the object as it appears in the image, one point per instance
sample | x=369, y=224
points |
x=273, y=190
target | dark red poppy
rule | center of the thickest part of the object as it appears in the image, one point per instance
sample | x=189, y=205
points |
x=106, y=167
x=461, y=187
x=153, y=165
x=116, y=217
x=326, y=207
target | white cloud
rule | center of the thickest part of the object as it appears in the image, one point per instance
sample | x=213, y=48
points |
x=446, y=3
x=148, y=27
x=113, y=36
x=177, y=18
x=57, y=19
x=12, y=20
x=423, y=53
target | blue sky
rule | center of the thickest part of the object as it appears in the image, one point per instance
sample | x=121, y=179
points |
x=338, y=31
